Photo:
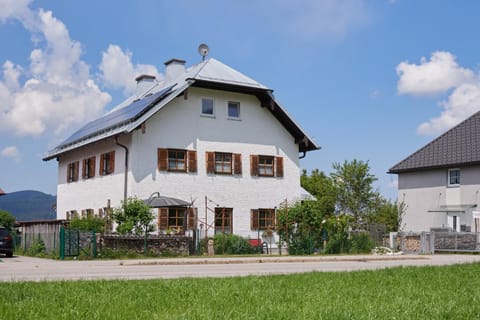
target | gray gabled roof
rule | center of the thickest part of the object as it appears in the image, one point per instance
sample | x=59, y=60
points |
x=210, y=73
x=459, y=146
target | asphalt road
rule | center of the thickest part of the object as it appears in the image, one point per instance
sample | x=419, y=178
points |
x=35, y=269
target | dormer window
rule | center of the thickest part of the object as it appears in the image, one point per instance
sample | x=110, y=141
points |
x=207, y=107
x=453, y=177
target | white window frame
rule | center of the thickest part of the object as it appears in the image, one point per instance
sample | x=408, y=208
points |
x=228, y=110
x=450, y=171
x=212, y=115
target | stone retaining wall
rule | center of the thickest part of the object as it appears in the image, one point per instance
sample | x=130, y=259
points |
x=158, y=245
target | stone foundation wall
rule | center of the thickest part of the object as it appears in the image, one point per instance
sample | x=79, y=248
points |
x=456, y=241
x=159, y=245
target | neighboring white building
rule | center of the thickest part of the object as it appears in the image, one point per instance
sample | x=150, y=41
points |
x=208, y=135
x=440, y=183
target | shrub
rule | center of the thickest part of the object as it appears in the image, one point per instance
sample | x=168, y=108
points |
x=361, y=243
x=89, y=223
x=37, y=248
x=232, y=244
x=301, y=244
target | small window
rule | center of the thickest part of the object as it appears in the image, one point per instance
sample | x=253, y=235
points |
x=223, y=220
x=107, y=163
x=265, y=166
x=175, y=217
x=177, y=160
x=207, y=107
x=88, y=168
x=223, y=163
x=453, y=177
x=234, y=110
x=262, y=219
x=72, y=172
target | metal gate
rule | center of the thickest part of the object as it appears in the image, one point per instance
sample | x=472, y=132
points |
x=74, y=243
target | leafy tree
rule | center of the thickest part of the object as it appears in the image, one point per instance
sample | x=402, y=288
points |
x=134, y=216
x=355, y=195
x=388, y=213
x=7, y=220
x=321, y=187
x=89, y=223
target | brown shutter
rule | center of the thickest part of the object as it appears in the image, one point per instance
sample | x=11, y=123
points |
x=191, y=218
x=254, y=219
x=237, y=164
x=210, y=156
x=112, y=161
x=274, y=220
x=254, y=165
x=75, y=171
x=162, y=218
x=162, y=159
x=192, y=161
x=84, y=168
x=101, y=171
x=279, y=167
x=68, y=173
x=92, y=166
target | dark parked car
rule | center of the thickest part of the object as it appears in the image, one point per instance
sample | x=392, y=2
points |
x=6, y=242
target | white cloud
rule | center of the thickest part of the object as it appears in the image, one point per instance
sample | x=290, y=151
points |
x=10, y=152
x=438, y=75
x=462, y=103
x=119, y=72
x=58, y=92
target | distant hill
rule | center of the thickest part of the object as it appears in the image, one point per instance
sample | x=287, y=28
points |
x=29, y=205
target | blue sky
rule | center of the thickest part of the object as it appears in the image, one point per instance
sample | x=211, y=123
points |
x=368, y=80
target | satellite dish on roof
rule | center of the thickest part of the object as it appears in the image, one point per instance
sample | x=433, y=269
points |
x=203, y=49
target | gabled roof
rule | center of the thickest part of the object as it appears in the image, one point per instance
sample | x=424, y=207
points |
x=459, y=146
x=210, y=73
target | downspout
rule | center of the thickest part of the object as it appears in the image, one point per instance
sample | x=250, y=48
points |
x=303, y=155
x=126, y=169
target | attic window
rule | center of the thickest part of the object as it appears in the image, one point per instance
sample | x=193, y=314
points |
x=207, y=107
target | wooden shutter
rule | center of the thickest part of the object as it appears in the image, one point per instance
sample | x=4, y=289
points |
x=84, y=168
x=279, y=167
x=69, y=178
x=210, y=156
x=192, y=212
x=162, y=159
x=75, y=171
x=162, y=218
x=92, y=167
x=192, y=160
x=254, y=165
x=101, y=170
x=112, y=161
x=254, y=219
x=237, y=163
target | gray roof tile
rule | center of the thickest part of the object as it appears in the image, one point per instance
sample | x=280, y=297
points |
x=459, y=146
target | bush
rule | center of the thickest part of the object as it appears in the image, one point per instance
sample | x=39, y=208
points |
x=301, y=244
x=361, y=243
x=232, y=244
x=89, y=223
x=338, y=244
x=37, y=248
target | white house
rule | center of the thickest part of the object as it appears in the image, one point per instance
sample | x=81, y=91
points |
x=207, y=135
x=440, y=183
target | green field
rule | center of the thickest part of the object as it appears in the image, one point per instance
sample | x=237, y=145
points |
x=451, y=292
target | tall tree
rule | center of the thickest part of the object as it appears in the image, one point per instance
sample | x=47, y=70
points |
x=7, y=220
x=355, y=194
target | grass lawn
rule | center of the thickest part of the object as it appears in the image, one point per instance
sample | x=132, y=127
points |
x=450, y=292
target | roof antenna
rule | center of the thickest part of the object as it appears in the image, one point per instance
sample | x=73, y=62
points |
x=203, y=49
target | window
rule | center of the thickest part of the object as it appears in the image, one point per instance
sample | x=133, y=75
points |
x=266, y=166
x=88, y=169
x=233, y=110
x=173, y=218
x=223, y=220
x=453, y=177
x=72, y=172
x=178, y=160
x=262, y=219
x=207, y=107
x=224, y=163
x=107, y=163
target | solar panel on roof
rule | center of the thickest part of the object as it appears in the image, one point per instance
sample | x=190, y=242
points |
x=118, y=117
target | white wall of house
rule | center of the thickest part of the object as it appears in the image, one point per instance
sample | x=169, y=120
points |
x=426, y=191
x=180, y=125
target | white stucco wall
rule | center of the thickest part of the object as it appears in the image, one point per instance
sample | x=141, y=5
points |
x=180, y=125
x=426, y=191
